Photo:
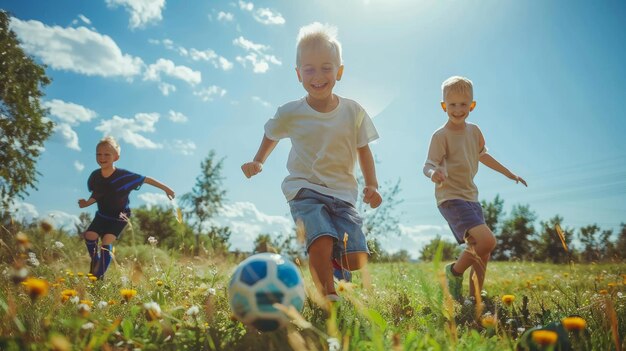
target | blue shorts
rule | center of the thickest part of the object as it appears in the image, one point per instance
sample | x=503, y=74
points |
x=103, y=224
x=325, y=215
x=462, y=216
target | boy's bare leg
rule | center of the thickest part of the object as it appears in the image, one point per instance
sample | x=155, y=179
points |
x=321, y=268
x=354, y=261
x=482, y=241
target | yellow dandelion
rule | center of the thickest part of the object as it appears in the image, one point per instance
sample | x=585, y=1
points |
x=22, y=240
x=60, y=280
x=508, y=299
x=159, y=283
x=128, y=294
x=55, y=285
x=36, y=287
x=84, y=310
x=566, y=274
x=488, y=321
x=612, y=285
x=574, y=323
x=93, y=278
x=544, y=337
x=112, y=302
x=87, y=302
x=603, y=292
x=67, y=294
x=80, y=274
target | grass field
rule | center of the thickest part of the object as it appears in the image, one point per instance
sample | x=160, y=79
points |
x=156, y=300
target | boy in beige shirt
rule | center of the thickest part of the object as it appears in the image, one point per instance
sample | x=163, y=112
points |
x=453, y=156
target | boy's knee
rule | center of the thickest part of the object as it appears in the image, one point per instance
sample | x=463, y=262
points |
x=91, y=236
x=355, y=261
x=321, y=245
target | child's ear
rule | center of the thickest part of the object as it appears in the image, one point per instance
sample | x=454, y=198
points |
x=298, y=73
x=339, y=72
x=472, y=106
x=443, y=106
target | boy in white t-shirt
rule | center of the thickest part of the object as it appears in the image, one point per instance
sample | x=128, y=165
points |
x=453, y=156
x=328, y=133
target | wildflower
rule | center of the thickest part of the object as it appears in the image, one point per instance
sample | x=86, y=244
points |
x=544, y=337
x=212, y=291
x=128, y=294
x=574, y=323
x=22, y=240
x=60, y=280
x=152, y=240
x=333, y=344
x=508, y=299
x=112, y=302
x=488, y=321
x=74, y=299
x=153, y=311
x=36, y=287
x=159, y=283
x=32, y=259
x=125, y=280
x=93, y=278
x=87, y=326
x=612, y=285
x=18, y=275
x=84, y=309
x=67, y=294
x=603, y=292
x=58, y=245
x=45, y=227
x=87, y=302
x=193, y=311
x=102, y=304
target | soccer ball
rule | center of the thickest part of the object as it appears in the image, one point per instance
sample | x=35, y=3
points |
x=260, y=281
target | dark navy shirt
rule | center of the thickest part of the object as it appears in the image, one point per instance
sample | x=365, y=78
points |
x=111, y=193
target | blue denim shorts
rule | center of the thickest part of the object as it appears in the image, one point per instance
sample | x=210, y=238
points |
x=462, y=216
x=325, y=215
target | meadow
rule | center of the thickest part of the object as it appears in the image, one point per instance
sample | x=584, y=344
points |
x=155, y=299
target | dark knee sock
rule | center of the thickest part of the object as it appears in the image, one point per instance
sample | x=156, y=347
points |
x=92, y=249
x=105, y=260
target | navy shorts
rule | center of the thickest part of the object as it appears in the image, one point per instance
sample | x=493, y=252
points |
x=324, y=215
x=462, y=216
x=103, y=224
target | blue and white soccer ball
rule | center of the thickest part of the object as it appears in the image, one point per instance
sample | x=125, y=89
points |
x=260, y=281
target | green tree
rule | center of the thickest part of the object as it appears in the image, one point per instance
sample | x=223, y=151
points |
x=23, y=128
x=596, y=243
x=516, y=239
x=493, y=212
x=549, y=246
x=450, y=249
x=620, y=244
x=264, y=243
x=205, y=200
x=84, y=220
x=160, y=222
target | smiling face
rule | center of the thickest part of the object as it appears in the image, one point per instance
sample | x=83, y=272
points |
x=458, y=105
x=106, y=155
x=318, y=71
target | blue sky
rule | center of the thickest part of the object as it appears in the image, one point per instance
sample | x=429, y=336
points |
x=174, y=79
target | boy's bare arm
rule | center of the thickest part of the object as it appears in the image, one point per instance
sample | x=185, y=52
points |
x=169, y=192
x=370, y=192
x=256, y=166
x=492, y=163
x=82, y=203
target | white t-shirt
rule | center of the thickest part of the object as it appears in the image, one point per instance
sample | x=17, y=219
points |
x=323, y=146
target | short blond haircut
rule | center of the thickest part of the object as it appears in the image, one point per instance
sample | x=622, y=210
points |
x=457, y=84
x=109, y=140
x=316, y=35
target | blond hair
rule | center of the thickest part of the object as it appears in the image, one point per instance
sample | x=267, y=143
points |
x=315, y=35
x=458, y=84
x=109, y=140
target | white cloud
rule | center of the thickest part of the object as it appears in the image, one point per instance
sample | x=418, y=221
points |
x=79, y=166
x=267, y=16
x=23, y=211
x=62, y=220
x=83, y=19
x=261, y=101
x=129, y=129
x=154, y=199
x=68, y=112
x=177, y=117
x=168, y=68
x=246, y=6
x=79, y=50
x=142, y=12
x=246, y=222
x=225, y=16
x=166, y=89
x=256, y=56
x=414, y=238
x=65, y=132
x=184, y=147
x=210, y=56
x=208, y=94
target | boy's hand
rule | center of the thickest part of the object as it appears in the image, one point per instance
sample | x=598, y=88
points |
x=252, y=168
x=371, y=196
x=438, y=176
x=518, y=179
x=82, y=203
x=170, y=193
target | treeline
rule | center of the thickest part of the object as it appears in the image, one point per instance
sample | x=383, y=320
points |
x=520, y=238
